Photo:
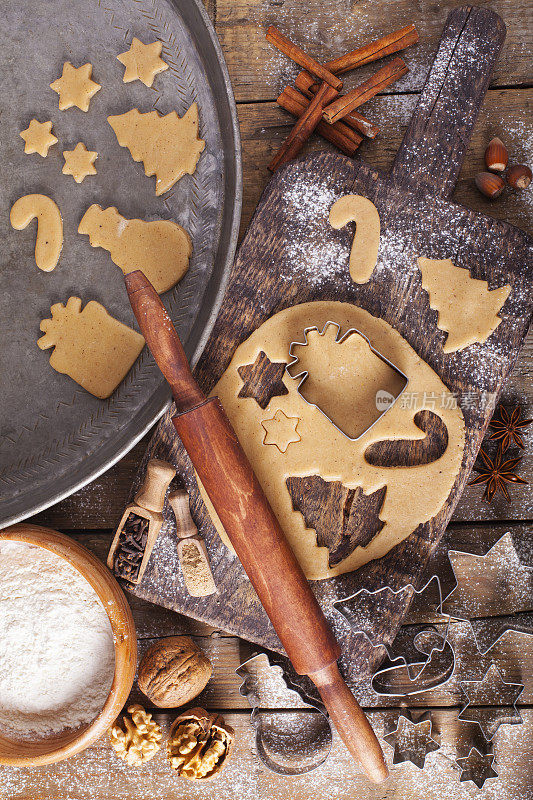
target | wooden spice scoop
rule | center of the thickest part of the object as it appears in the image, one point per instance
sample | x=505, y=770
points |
x=147, y=506
x=192, y=552
x=253, y=529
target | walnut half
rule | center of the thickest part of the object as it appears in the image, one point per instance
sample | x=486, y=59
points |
x=137, y=739
x=199, y=744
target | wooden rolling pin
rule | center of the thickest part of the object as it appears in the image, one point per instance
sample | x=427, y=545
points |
x=253, y=529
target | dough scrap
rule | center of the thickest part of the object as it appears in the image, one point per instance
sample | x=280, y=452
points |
x=281, y=431
x=142, y=61
x=168, y=146
x=324, y=358
x=414, y=494
x=466, y=308
x=365, y=244
x=79, y=162
x=75, y=87
x=49, y=240
x=92, y=347
x=38, y=137
x=160, y=248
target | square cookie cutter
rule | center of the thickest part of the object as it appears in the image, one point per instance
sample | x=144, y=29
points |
x=388, y=399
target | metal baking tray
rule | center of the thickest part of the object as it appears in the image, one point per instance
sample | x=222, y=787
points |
x=54, y=436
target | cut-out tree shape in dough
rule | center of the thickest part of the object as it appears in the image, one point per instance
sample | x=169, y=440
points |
x=263, y=380
x=342, y=518
x=365, y=245
x=160, y=248
x=344, y=376
x=168, y=146
x=49, y=240
x=281, y=431
x=466, y=308
x=75, y=87
x=142, y=61
x=414, y=494
x=91, y=346
x=38, y=137
x=79, y=162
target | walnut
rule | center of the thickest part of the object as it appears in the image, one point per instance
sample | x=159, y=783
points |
x=199, y=744
x=173, y=672
x=137, y=739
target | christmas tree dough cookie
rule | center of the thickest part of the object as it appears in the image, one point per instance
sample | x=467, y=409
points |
x=38, y=137
x=467, y=309
x=92, y=347
x=143, y=62
x=79, y=162
x=49, y=240
x=75, y=87
x=160, y=248
x=168, y=146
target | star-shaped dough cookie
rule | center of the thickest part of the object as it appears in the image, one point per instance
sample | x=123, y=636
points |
x=79, y=162
x=38, y=137
x=143, y=62
x=281, y=430
x=75, y=87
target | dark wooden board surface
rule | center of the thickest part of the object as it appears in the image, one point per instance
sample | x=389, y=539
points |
x=417, y=216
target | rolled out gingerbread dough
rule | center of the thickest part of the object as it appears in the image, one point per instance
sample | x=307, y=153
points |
x=413, y=494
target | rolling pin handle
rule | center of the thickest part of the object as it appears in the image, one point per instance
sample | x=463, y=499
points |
x=350, y=721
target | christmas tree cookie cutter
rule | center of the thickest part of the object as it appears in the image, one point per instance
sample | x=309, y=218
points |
x=385, y=399
x=290, y=741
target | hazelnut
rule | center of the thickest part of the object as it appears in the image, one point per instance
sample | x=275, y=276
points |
x=199, y=744
x=496, y=155
x=519, y=176
x=173, y=672
x=489, y=184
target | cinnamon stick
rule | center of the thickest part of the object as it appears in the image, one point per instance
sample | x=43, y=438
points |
x=298, y=55
x=304, y=127
x=339, y=134
x=375, y=84
x=391, y=43
x=308, y=87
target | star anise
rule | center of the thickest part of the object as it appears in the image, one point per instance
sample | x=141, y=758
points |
x=496, y=473
x=508, y=427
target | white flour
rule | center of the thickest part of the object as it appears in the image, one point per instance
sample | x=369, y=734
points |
x=56, y=644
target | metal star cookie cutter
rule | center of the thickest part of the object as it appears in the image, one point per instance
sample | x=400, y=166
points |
x=519, y=622
x=305, y=374
x=476, y=767
x=412, y=741
x=284, y=744
x=483, y=707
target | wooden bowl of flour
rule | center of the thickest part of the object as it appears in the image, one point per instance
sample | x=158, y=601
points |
x=57, y=747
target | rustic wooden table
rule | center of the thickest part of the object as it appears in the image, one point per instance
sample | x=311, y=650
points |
x=258, y=74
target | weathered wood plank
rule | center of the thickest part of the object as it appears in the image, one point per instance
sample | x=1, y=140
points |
x=326, y=30
x=97, y=774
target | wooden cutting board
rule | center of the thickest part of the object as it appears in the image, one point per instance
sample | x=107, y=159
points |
x=291, y=255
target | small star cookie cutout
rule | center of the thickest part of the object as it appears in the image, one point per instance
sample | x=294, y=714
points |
x=79, y=162
x=38, y=137
x=75, y=87
x=281, y=430
x=262, y=380
x=143, y=62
